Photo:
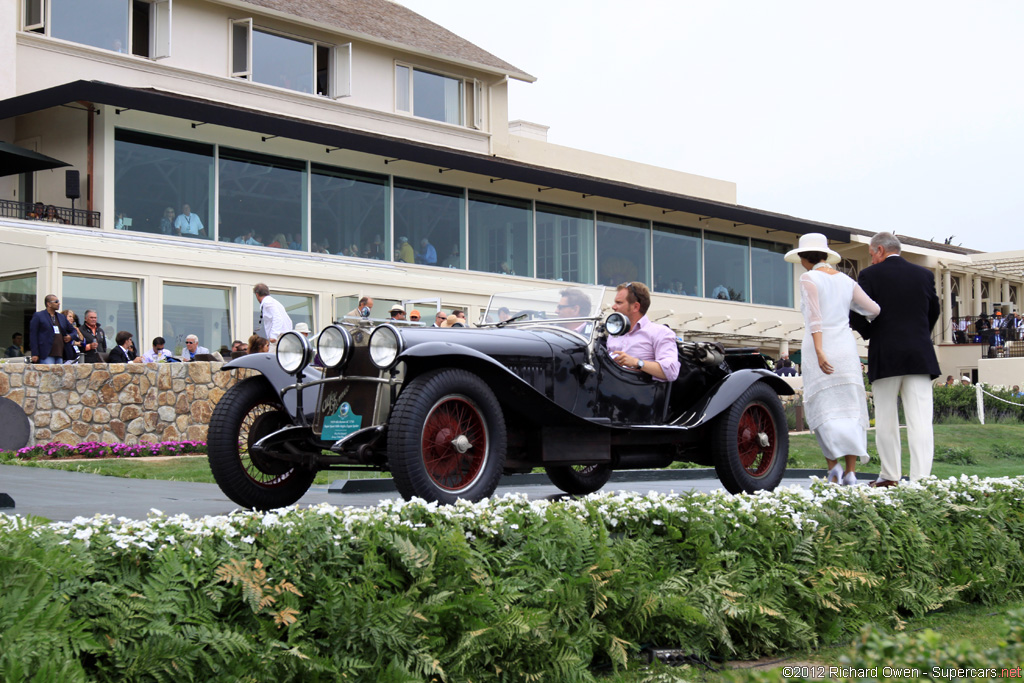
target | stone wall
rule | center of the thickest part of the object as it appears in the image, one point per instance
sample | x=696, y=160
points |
x=117, y=402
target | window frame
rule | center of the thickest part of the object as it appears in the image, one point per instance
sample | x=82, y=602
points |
x=467, y=95
x=339, y=61
x=246, y=25
x=160, y=23
x=30, y=7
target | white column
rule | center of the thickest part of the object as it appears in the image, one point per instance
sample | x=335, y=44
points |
x=947, y=307
x=976, y=294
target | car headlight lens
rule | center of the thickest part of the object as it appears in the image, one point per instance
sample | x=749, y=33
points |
x=333, y=346
x=292, y=352
x=385, y=345
x=616, y=324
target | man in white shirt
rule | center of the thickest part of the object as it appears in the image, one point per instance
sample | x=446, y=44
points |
x=188, y=223
x=158, y=354
x=274, y=320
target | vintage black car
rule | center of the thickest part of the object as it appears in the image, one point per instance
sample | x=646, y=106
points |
x=449, y=411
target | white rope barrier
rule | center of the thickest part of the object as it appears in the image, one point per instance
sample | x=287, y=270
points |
x=980, y=392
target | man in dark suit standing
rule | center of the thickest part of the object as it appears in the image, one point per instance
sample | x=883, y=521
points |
x=47, y=333
x=901, y=357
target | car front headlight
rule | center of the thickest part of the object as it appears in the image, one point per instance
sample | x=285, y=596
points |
x=292, y=352
x=385, y=345
x=616, y=324
x=333, y=346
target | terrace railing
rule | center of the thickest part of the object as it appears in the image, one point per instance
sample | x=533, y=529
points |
x=64, y=215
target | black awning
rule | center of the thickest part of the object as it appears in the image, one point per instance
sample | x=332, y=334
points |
x=14, y=160
x=217, y=113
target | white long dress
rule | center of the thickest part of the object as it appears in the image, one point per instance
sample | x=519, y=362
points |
x=835, y=405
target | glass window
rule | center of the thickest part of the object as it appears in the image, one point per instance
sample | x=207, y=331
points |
x=116, y=303
x=726, y=267
x=623, y=250
x=429, y=224
x=500, y=234
x=298, y=306
x=677, y=260
x=100, y=23
x=284, y=62
x=155, y=177
x=431, y=96
x=565, y=244
x=262, y=200
x=202, y=311
x=17, y=306
x=349, y=213
x=772, y=277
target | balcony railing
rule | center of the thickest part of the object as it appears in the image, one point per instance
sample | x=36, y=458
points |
x=61, y=215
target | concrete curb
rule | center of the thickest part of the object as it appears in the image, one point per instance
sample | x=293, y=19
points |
x=385, y=485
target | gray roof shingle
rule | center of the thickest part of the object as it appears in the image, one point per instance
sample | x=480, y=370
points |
x=391, y=22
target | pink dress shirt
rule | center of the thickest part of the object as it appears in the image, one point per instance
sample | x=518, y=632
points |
x=649, y=341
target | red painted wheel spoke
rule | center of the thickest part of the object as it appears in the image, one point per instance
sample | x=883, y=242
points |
x=755, y=457
x=453, y=420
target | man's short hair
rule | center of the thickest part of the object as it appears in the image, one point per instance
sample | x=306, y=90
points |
x=637, y=292
x=192, y=337
x=16, y=335
x=261, y=290
x=122, y=337
x=576, y=297
x=87, y=312
x=886, y=241
x=159, y=341
x=363, y=300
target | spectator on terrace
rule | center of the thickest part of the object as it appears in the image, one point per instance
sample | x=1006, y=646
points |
x=193, y=349
x=94, y=338
x=15, y=350
x=124, y=352
x=258, y=344
x=158, y=354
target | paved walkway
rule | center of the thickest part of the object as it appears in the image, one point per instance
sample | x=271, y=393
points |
x=61, y=496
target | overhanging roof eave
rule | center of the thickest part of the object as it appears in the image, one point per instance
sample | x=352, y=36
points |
x=206, y=111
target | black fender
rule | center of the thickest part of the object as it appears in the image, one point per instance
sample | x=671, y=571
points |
x=511, y=390
x=278, y=379
x=725, y=393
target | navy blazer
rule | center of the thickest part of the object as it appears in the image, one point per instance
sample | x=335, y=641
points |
x=900, y=338
x=40, y=333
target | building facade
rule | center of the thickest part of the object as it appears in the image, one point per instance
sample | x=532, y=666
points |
x=348, y=148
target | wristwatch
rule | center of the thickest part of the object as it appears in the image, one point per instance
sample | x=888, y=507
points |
x=640, y=365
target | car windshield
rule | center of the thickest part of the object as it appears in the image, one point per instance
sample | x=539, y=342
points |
x=578, y=304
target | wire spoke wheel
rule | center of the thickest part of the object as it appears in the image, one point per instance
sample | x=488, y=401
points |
x=446, y=438
x=249, y=411
x=755, y=439
x=261, y=420
x=750, y=441
x=579, y=480
x=455, y=443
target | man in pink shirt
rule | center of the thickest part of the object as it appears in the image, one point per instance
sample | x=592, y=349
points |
x=647, y=347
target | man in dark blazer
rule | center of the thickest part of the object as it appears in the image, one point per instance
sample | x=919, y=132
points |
x=901, y=357
x=47, y=333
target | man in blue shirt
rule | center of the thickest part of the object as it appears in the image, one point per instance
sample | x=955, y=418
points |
x=427, y=255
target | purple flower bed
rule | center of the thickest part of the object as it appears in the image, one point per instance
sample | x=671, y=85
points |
x=95, y=449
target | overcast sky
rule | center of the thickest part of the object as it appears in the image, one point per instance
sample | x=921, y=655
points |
x=903, y=115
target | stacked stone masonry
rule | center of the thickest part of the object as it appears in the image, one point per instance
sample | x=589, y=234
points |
x=117, y=402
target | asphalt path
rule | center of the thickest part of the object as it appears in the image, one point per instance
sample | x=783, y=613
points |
x=61, y=496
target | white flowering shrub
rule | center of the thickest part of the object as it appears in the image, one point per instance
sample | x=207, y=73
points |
x=503, y=589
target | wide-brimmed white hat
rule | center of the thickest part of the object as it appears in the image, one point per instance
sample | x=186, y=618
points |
x=813, y=241
x=302, y=328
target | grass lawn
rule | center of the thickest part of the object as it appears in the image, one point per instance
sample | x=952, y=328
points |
x=979, y=624
x=996, y=449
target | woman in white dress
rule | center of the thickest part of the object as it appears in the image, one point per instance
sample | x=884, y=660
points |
x=834, y=400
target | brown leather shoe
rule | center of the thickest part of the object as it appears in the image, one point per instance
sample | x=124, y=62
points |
x=883, y=483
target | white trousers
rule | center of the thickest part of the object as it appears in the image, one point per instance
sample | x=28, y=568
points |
x=916, y=392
